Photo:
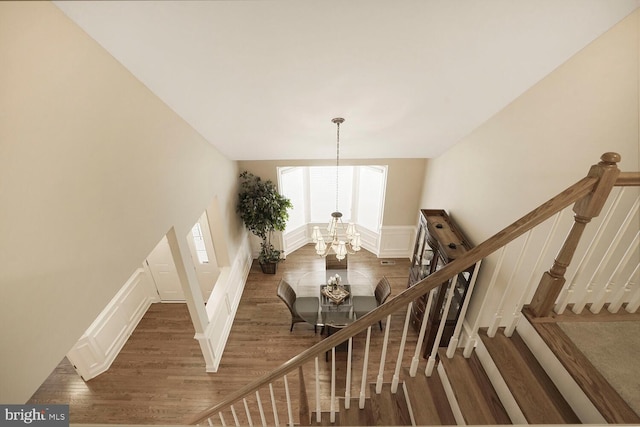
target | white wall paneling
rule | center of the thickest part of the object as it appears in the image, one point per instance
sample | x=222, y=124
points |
x=100, y=344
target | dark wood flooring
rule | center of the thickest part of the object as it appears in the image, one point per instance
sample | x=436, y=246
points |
x=159, y=376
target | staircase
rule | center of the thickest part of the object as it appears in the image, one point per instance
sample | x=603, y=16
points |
x=497, y=375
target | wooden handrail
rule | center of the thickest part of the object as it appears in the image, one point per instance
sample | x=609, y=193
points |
x=628, y=179
x=572, y=194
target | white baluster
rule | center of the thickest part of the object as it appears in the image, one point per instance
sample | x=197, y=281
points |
x=436, y=344
x=599, y=301
x=332, y=410
x=365, y=366
x=347, y=387
x=533, y=278
x=224, y=424
x=578, y=307
x=473, y=336
x=497, y=317
x=409, y=407
x=617, y=301
x=288, y=397
x=263, y=419
x=318, y=408
x=235, y=416
x=383, y=356
x=453, y=342
x=565, y=295
x=246, y=410
x=396, y=374
x=274, y=407
x=209, y=421
x=634, y=302
x=423, y=327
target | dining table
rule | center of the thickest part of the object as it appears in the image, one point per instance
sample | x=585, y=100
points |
x=336, y=305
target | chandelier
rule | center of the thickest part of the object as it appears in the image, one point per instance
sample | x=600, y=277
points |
x=341, y=240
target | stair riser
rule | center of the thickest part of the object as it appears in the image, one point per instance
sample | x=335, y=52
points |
x=573, y=394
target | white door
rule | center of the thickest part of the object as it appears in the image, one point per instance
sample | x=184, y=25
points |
x=203, y=255
x=163, y=271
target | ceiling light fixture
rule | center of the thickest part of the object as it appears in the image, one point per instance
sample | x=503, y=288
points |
x=341, y=240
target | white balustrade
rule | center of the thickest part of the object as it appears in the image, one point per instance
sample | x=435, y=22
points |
x=403, y=341
x=595, y=277
x=247, y=412
x=383, y=356
x=601, y=297
x=288, y=397
x=263, y=419
x=619, y=298
x=365, y=365
x=423, y=327
x=235, y=416
x=471, y=343
x=497, y=316
x=534, y=277
x=436, y=343
x=318, y=408
x=569, y=289
x=453, y=342
x=274, y=407
x=332, y=410
x=347, y=387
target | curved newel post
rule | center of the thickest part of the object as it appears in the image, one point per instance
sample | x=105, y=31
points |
x=586, y=208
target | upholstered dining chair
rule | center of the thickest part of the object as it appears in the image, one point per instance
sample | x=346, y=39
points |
x=333, y=263
x=364, y=304
x=308, y=306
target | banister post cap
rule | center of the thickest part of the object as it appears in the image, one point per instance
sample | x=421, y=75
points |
x=611, y=158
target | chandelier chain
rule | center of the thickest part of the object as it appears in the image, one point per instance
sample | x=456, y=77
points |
x=337, y=164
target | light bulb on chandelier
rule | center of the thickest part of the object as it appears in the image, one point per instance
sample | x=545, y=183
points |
x=340, y=240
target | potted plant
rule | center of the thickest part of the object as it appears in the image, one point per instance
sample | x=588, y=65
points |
x=263, y=211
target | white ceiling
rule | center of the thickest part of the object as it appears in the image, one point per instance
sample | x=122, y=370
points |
x=263, y=79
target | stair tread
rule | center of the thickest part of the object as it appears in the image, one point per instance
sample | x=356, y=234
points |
x=428, y=400
x=354, y=416
x=476, y=397
x=325, y=419
x=389, y=409
x=537, y=396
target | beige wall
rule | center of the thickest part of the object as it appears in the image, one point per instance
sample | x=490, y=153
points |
x=404, y=182
x=546, y=139
x=94, y=170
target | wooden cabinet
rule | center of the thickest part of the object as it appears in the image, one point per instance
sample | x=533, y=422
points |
x=438, y=242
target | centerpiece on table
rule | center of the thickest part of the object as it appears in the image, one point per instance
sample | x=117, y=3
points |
x=334, y=291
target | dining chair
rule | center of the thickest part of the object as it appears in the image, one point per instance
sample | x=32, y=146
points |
x=308, y=306
x=333, y=263
x=364, y=304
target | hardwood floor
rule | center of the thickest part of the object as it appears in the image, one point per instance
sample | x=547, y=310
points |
x=159, y=376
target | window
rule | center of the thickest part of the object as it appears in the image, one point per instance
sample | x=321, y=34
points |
x=198, y=241
x=312, y=190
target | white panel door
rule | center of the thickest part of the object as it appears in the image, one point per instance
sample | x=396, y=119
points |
x=203, y=255
x=163, y=271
